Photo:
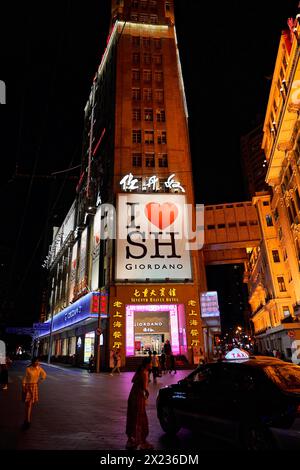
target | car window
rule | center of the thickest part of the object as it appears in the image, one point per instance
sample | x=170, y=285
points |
x=203, y=374
x=285, y=376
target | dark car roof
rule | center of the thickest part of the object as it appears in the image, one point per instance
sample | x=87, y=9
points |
x=256, y=361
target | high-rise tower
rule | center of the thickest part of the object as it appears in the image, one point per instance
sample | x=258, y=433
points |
x=136, y=157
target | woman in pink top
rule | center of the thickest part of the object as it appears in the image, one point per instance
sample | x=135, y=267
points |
x=30, y=392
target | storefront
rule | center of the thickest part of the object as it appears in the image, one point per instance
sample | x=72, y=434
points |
x=143, y=318
x=73, y=337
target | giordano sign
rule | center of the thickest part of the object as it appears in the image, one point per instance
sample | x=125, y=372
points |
x=151, y=238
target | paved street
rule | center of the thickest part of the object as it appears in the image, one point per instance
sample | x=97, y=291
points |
x=82, y=411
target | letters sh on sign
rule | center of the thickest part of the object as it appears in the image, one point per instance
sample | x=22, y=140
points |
x=151, y=237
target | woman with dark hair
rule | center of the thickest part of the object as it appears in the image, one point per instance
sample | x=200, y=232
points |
x=137, y=428
x=30, y=391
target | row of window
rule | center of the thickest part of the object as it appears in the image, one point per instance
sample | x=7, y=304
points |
x=146, y=42
x=148, y=115
x=147, y=95
x=149, y=137
x=232, y=224
x=150, y=160
x=228, y=206
x=144, y=18
x=148, y=59
x=147, y=75
x=151, y=4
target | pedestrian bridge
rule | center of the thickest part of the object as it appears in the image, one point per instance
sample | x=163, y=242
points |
x=231, y=231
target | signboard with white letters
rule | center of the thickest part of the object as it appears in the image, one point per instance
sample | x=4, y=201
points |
x=151, y=237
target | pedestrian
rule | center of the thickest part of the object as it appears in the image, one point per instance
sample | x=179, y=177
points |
x=34, y=374
x=117, y=362
x=137, y=428
x=150, y=368
x=172, y=364
x=6, y=362
x=91, y=363
x=163, y=363
x=155, y=366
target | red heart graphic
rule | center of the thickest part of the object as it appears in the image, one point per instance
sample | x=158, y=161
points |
x=161, y=215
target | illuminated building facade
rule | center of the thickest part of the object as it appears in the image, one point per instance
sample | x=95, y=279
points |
x=134, y=292
x=274, y=271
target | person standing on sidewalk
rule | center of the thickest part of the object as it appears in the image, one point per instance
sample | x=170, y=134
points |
x=30, y=393
x=117, y=362
x=137, y=428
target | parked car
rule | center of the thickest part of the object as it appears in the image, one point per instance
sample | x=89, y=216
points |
x=254, y=403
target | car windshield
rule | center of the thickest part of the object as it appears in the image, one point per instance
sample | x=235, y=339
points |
x=287, y=377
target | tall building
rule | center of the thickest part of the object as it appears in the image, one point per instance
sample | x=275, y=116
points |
x=275, y=278
x=254, y=161
x=125, y=278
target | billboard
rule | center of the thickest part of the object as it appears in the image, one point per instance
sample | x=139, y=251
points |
x=151, y=238
x=95, y=249
x=82, y=267
x=209, y=304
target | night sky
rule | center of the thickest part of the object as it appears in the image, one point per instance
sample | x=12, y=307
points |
x=49, y=52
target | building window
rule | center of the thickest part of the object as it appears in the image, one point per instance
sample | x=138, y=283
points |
x=221, y=225
x=232, y=225
x=281, y=284
x=286, y=311
x=144, y=18
x=269, y=220
x=134, y=17
x=211, y=227
x=136, y=41
x=157, y=59
x=136, y=75
x=136, y=94
x=137, y=136
x=135, y=58
x=147, y=59
x=135, y=4
x=159, y=95
x=160, y=115
x=243, y=224
x=149, y=137
x=147, y=42
x=148, y=114
x=147, y=94
x=143, y=4
x=150, y=160
x=297, y=198
x=266, y=203
x=157, y=43
x=168, y=6
x=276, y=215
x=253, y=222
x=161, y=137
x=136, y=159
x=275, y=255
x=153, y=19
x=136, y=114
x=162, y=160
x=147, y=75
x=158, y=76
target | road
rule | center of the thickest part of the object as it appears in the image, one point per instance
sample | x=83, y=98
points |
x=82, y=411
